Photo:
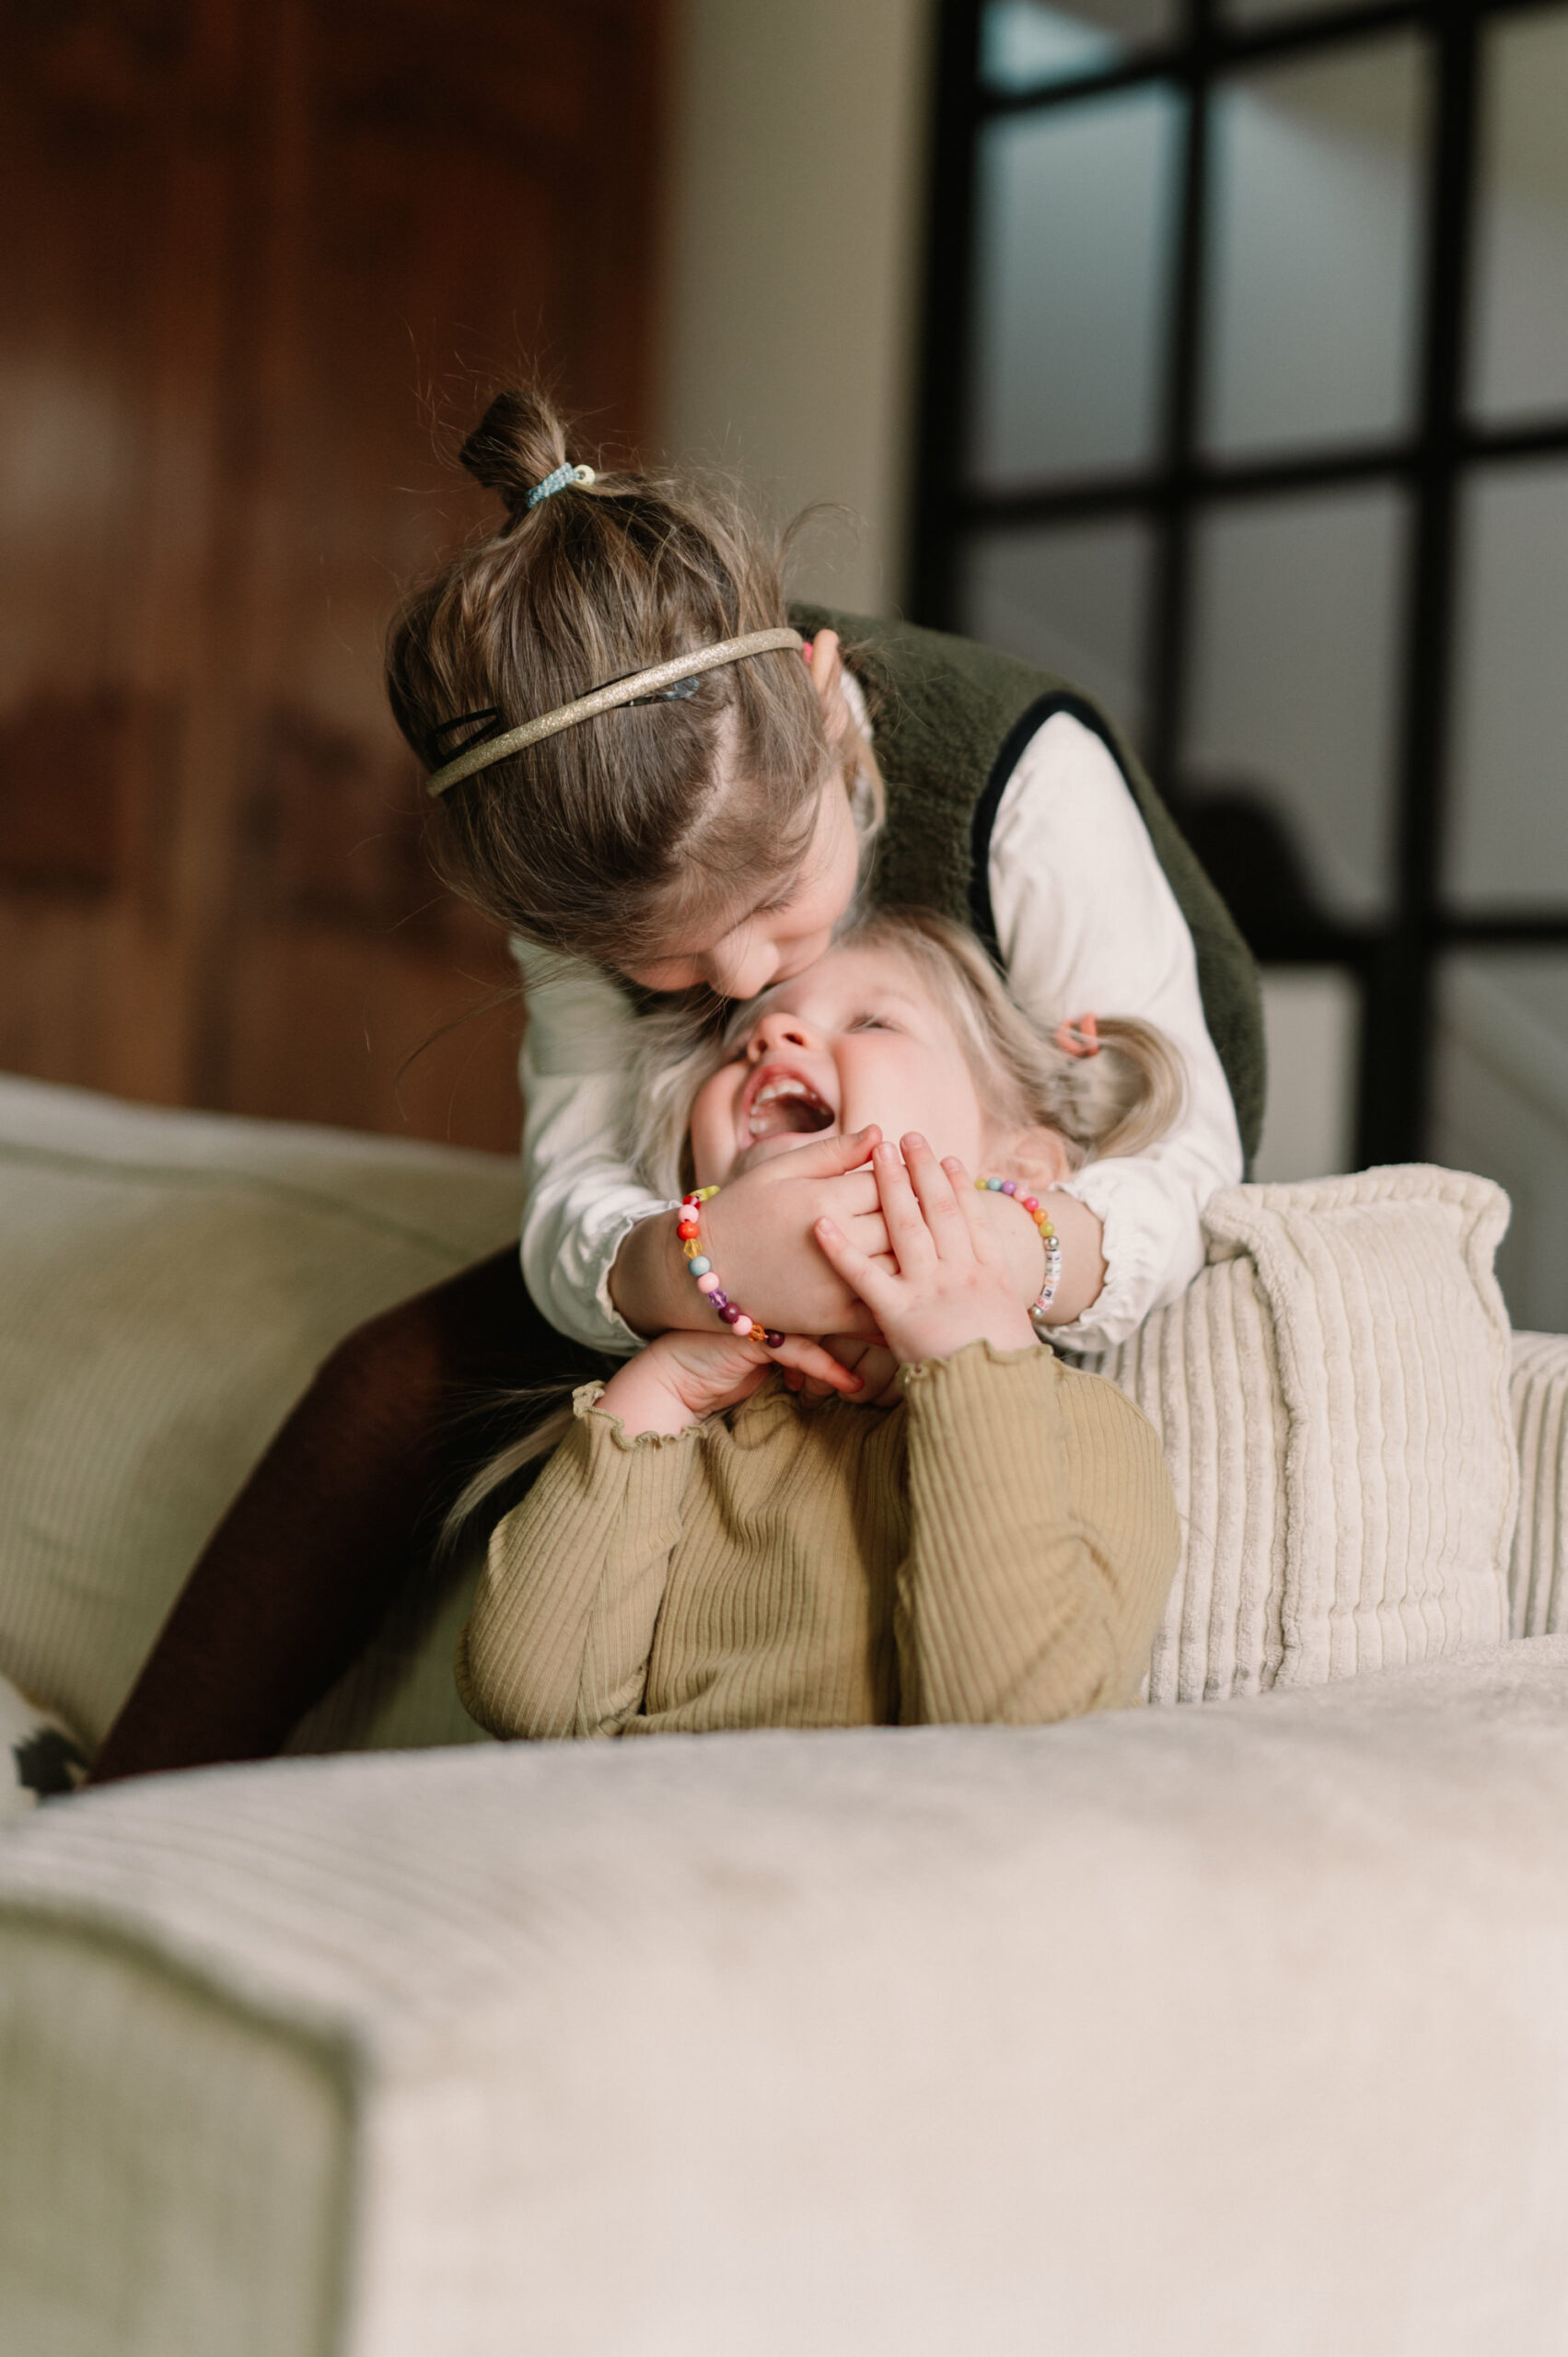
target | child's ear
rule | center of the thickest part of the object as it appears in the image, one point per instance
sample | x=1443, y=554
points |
x=1039, y=1155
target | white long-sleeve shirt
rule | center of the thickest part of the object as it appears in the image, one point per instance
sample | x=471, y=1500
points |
x=1086, y=923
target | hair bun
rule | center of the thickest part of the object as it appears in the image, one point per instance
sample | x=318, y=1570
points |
x=516, y=443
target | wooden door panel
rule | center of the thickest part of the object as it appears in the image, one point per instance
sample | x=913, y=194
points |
x=109, y=320
x=270, y=252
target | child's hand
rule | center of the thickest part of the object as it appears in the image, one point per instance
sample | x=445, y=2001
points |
x=950, y=1284
x=872, y=1361
x=759, y=1232
x=682, y=1378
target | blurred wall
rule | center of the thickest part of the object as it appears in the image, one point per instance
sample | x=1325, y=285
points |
x=796, y=197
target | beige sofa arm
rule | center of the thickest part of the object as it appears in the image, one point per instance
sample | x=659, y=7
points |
x=1538, y=1576
x=837, y=2042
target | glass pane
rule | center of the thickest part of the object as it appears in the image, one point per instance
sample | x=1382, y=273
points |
x=1074, y=230
x=1292, y=715
x=1311, y=1026
x=1071, y=599
x=1501, y=1107
x=1314, y=250
x=1024, y=46
x=1520, y=359
x=1509, y=837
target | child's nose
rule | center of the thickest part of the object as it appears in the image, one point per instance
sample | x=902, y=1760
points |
x=776, y=1031
x=740, y=967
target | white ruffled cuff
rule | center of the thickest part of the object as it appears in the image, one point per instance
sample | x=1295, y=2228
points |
x=621, y=1339
x=1145, y=1264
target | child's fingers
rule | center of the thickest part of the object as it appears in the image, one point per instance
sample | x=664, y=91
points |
x=808, y=1360
x=875, y=1284
x=982, y=1236
x=947, y=1227
x=716, y=1349
x=848, y=1349
x=853, y=1352
x=867, y=1227
x=878, y=1370
x=907, y=1231
x=830, y=1157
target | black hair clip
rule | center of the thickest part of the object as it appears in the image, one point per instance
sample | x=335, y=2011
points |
x=485, y=724
x=677, y=692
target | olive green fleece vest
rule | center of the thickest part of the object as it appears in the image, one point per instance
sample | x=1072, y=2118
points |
x=951, y=721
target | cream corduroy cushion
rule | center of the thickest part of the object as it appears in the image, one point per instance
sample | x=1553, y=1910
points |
x=1332, y=1393
x=1538, y=1583
x=168, y=1282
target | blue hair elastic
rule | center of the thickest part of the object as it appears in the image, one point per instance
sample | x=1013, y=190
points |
x=562, y=480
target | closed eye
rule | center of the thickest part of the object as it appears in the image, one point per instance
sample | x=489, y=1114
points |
x=871, y=1023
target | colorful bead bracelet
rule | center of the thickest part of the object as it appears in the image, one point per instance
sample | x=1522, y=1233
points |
x=1048, y=1236
x=701, y=1267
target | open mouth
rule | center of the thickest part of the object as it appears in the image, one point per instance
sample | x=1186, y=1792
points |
x=786, y=1107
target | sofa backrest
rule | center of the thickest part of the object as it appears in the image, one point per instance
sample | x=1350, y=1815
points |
x=1331, y=1393
x=169, y=1284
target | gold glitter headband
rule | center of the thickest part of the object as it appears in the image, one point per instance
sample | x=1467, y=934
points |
x=641, y=686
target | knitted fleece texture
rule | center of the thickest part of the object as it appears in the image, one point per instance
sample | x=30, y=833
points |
x=995, y=1548
x=952, y=720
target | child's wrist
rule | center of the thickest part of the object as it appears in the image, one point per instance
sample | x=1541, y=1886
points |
x=648, y=1284
x=1083, y=1259
x=647, y=1396
x=943, y=1333
x=707, y=1286
x=1023, y=1247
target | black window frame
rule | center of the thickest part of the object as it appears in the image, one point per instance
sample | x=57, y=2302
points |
x=1395, y=958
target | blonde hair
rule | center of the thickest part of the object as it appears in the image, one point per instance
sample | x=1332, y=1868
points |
x=1115, y=1102
x=614, y=836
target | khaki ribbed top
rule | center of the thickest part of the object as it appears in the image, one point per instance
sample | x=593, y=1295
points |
x=997, y=1547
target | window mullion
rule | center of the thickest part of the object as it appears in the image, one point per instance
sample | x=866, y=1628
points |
x=942, y=430
x=1170, y=602
x=1398, y=1033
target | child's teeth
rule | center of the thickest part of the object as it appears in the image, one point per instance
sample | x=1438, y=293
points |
x=796, y=1091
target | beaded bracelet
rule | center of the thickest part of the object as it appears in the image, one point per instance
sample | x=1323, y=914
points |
x=1048, y=1235
x=701, y=1267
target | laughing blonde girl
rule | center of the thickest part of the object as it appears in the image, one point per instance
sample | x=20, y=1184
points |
x=703, y=1551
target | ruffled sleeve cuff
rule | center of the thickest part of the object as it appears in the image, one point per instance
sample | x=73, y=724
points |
x=1149, y=1258
x=606, y=1432
x=620, y=1339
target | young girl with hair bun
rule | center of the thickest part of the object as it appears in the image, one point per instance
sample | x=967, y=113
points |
x=701, y=1551
x=664, y=779
x=712, y=834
